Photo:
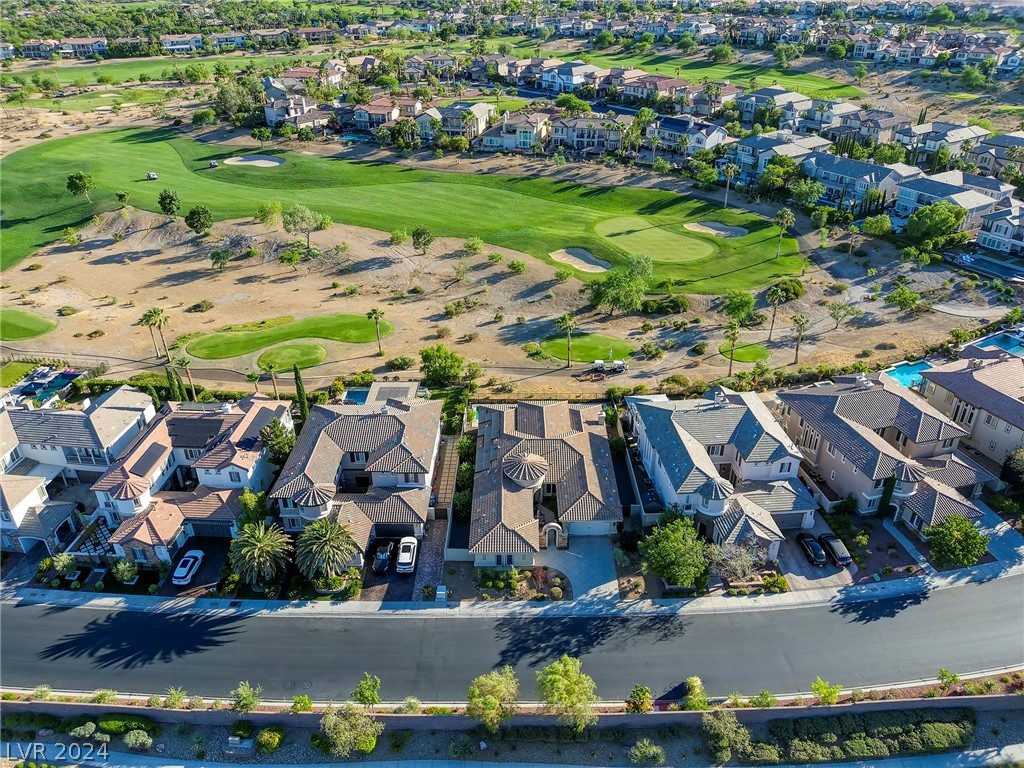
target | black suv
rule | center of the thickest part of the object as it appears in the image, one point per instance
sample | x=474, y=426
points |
x=812, y=550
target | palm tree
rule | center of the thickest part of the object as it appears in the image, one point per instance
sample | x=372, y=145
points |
x=184, y=363
x=498, y=91
x=376, y=315
x=259, y=553
x=271, y=368
x=714, y=92
x=144, y=321
x=324, y=549
x=732, y=335
x=683, y=145
x=775, y=296
x=800, y=323
x=729, y=172
x=655, y=143
x=157, y=318
x=567, y=324
x=854, y=230
x=783, y=219
x=255, y=379
x=468, y=120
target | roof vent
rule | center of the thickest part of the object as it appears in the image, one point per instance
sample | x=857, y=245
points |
x=384, y=408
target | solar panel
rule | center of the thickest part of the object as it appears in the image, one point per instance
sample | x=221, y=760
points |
x=152, y=457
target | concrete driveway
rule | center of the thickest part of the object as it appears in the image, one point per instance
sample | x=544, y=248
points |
x=390, y=586
x=802, y=575
x=588, y=565
x=208, y=575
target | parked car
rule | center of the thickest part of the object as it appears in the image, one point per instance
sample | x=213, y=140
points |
x=406, y=562
x=187, y=568
x=812, y=550
x=382, y=559
x=835, y=550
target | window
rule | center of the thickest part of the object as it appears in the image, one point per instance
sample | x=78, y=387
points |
x=236, y=477
x=1007, y=428
x=992, y=445
x=947, y=443
x=137, y=503
x=714, y=450
x=786, y=466
x=931, y=388
x=412, y=477
x=855, y=470
x=872, y=503
x=832, y=475
x=879, y=483
x=358, y=457
x=139, y=555
x=193, y=453
x=831, y=450
x=949, y=397
x=991, y=420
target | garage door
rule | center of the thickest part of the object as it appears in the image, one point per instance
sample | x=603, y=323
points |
x=211, y=528
x=589, y=529
x=789, y=520
x=393, y=531
x=87, y=477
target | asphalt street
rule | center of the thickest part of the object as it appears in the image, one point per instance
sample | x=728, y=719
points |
x=969, y=628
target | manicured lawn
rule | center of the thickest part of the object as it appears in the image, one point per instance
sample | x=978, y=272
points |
x=745, y=353
x=508, y=104
x=636, y=234
x=588, y=347
x=288, y=355
x=17, y=324
x=355, y=329
x=90, y=100
x=130, y=69
x=13, y=372
x=533, y=215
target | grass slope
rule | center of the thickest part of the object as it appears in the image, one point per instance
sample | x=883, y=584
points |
x=354, y=329
x=90, y=100
x=13, y=372
x=17, y=324
x=745, y=353
x=130, y=69
x=282, y=358
x=533, y=215
x=588, y=347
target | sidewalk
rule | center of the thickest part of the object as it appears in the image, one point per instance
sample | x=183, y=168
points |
x=975, y=758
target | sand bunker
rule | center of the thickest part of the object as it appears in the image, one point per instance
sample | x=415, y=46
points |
x=582, y=259
x=259, y=161
x=715, y=228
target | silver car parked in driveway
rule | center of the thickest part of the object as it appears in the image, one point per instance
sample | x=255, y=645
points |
x=406, y=562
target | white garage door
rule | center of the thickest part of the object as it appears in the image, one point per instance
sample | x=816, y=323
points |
x=590, y=529
x=789, y=520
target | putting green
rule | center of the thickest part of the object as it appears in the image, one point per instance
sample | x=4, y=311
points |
x=284, y=357
x=353, y=329
x=588, y=347
x=745, y=353
x=635, y=234
x=17, y=324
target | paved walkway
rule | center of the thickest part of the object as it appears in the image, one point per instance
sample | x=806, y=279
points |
x=588, y=565
x=974, y=758
x=894, y=530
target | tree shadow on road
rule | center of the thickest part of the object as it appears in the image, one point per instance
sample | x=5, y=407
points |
x=127, y=639
x=867, y=611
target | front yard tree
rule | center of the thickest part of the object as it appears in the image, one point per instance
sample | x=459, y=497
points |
x=80, y=183
x=246, y=697
x=300, y=393
x=732, y=335
x=279, y=441
x=367, y=691
x=956, y=541
x=349, y=730
x=324, y=549
x=876, y=226
x=261, y=134
x=675, y=552
x=259, y=554
x=421, y=239
x=738, y=305
x=376, y=315
x=572, y=105
x=775, y=295
x=729, y=172
x=840, y=311
x=736, y=562
x=1013, y=469
x=640, y=701
x=623, y=289
x=567, y=324
x=493, y=698
x=567, y=692
x=199, y=219
x=169, y=203
x=440, y=366
x=783, y=220
x=300, y=220
x=934, y=222
x=806, y=191
x=800, y=324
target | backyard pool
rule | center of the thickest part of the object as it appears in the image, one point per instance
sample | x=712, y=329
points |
x=1011, y=344
x=908, y=374
x=43, y=391
x=357, y=396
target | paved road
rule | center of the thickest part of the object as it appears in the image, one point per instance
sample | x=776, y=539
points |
x=970, y=628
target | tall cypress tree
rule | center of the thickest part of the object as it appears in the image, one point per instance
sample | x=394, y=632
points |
x=174, y=387
x=153, y=396
x=300, y=394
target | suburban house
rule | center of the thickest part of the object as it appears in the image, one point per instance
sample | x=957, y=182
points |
x=520, y=132
x=923, y=140
x=229, y=39
x=590, y=133
x=866, y=125
x=369, y=117
x=40, y=49
x=568, y=76
x=46, y=448
x=82, y=47
x=869, y=438
x=316, y=35
x=7, y=51
x=1002, y=230
x=820, y=117
x=368, y=467
x=773, y=96
x=847, y=181
x=270, y=38
x=724, y=461
x=755, y=152
x=461, y=118
x=916, y=53
x=983, y=393
x=284, y=110
x=181, y=43
x=994, y=153
x=650, y=87
x=543, y=475
x=182, y=477
x=978, y=195
x=694, y=99
x=670, y=131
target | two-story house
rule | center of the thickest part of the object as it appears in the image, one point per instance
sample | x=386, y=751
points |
x=270, y=38
x=818, y=119
x=695, y=99
x=978, y=195
x=994, y=153
x=568, y=76
x=44, y=448
x=82, y=47
x=650, y=87
x=520, y=132
x=847, y=181
x=544, y=474
x=724, y=461
x=369, y=467
x=369, y=117
x=925, y=139
x=229, y=39
x=40, y=49
x=877, y=125
x=773, y=96
x=284, y=110
x=984, y=395
x=181, y=43
x=870, y=438
x=590, y=133
x=182, y=477
x=670, y=132
x=755, y=152
x=1002, y=230
x=460, y=118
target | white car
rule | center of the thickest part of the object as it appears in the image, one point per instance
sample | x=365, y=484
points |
x=152, y=176
x=406, y=562
x=187, y=568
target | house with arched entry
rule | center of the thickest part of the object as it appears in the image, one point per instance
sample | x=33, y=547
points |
x=725, y=462
x=544, y=474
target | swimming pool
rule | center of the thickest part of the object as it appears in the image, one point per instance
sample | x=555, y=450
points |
x=1011, y=344
x=908, y=374
x=357, y=396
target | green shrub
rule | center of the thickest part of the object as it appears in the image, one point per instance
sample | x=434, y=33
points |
x=84, y=731
x=402, y=363
x=120, y=724
x=724, y=735
x=302, y=703
x=243, y=729
x=699, y=348
x=138, y=740
x=646, y=752
x=103, y=696
x=201, y=306
x=269, y=740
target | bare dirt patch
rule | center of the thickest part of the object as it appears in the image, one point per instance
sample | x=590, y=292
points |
x=715, y=228
x=259, y=161
x=581, y=259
